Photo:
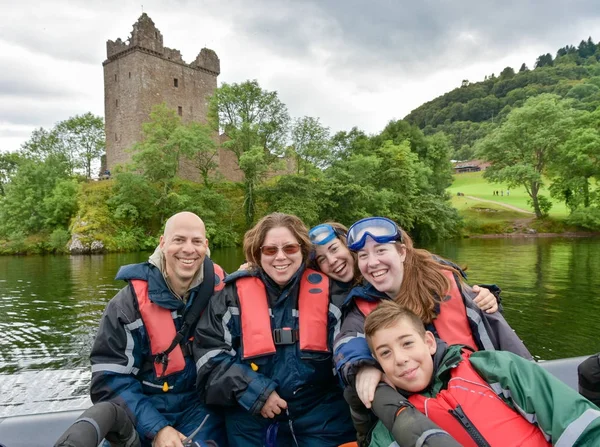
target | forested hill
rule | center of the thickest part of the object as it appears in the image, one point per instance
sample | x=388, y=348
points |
x=470, y=111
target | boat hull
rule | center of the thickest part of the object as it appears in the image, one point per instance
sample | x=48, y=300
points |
x=45, y=428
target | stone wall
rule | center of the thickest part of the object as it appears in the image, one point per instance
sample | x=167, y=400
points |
x=143, y=72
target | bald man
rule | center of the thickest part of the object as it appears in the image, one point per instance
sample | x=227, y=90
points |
x=141, y=357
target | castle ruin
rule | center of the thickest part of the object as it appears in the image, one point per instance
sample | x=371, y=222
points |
x=141, y=73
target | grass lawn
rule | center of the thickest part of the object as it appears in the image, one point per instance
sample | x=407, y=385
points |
x=473, y=184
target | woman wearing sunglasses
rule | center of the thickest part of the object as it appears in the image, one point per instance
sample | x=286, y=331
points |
x=414, y=278
x=264, y=345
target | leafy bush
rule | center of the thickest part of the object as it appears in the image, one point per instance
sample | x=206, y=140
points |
x=59, y=240
x=588, y=218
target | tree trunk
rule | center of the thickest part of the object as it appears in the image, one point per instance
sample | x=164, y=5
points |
x=534, y=199
x=249, y=207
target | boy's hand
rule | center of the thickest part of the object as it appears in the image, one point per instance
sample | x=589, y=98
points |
x=485, y=300
x=367, y=379
x=273, y=406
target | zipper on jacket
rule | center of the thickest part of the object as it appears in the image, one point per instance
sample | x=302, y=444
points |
x=461, y=417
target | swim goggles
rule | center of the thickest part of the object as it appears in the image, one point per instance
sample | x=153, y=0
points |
x=380, y=229
x=323, y=234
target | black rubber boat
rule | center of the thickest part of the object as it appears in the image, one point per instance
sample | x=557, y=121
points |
x=43, y=429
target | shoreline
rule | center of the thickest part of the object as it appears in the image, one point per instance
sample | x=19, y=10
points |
x=566, y=234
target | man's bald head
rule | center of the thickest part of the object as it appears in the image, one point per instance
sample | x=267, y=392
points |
x=184, y=247
x=185, y=218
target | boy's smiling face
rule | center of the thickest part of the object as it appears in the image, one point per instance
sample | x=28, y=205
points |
x=405, y=355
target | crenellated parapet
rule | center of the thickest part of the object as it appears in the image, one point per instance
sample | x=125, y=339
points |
x=207, y=59
x=145, y=37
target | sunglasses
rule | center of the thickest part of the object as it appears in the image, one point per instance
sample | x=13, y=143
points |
x=288, y=249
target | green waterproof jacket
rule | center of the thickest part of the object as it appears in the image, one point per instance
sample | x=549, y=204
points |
x=564, y=416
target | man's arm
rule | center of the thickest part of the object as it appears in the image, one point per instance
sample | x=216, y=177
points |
x=562, y=413
x=116, y=359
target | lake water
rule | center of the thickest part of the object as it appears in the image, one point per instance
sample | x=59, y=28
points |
x=50, y=307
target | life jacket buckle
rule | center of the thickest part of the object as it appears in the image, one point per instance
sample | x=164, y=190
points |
x=162, y=358
x=285, y=336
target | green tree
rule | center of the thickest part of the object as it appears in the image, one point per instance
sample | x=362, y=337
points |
x=22, y=208
x=166, y=143
x=61, y=204
x=157, y=154
x=198, y=141
x=544, y=60
x=9, y=161
x=523, y=146
x=507, y=73
x=250, y=117
x=305, y=196
x=578, y=162
x=254, y=165
x=83, y=139
x=310, y=143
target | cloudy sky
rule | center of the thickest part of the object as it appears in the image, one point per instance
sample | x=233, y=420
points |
x=348, y=62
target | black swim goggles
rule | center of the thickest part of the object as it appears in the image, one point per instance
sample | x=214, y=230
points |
x=381, y=229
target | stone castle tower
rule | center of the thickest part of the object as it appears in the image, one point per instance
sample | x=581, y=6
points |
x=141, y=73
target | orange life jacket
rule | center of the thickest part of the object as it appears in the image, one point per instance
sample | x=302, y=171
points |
x=452, y=324
x=470, y=401
x=258, y=338
x=160, y=326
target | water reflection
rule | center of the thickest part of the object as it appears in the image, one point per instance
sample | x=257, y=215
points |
x=50, y=306
x=548, y=288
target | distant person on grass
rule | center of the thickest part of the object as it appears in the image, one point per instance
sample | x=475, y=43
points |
x=484, y=398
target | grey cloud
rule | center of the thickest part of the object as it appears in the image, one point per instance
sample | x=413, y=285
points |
x=11, y=87
x=16, y=113
x=413, y=37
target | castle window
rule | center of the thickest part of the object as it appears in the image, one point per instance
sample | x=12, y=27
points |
x=116, y=103
x=115, y=78
x=175, y=82
x=116, y=137
x=129, y=75
x=180, y=111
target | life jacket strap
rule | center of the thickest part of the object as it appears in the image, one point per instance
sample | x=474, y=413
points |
x=187, y=349
x=285, y=336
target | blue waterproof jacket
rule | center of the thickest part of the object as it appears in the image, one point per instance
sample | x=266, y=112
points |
x=298, y=377
x=122, y=364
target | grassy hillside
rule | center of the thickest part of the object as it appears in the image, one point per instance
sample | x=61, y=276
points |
x=486, y=213
x=473, y=184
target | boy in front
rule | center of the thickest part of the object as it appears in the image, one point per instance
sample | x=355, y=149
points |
x=485, y=398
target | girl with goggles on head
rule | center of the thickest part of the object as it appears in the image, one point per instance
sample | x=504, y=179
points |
x=332, y=256
x=264, y=344
x=430, y=287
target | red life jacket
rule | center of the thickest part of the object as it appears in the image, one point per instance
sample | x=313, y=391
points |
x=313, y=309
x=160, y=326
x=499, y=424
x=451, y=324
